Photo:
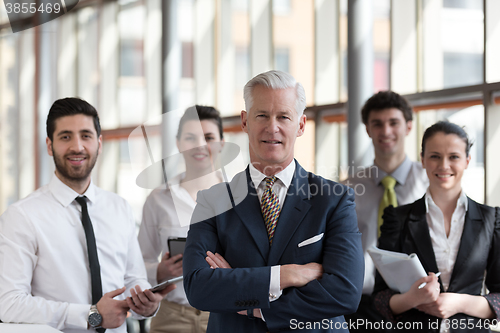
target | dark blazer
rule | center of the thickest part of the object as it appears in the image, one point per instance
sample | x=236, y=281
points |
x=313, y=206
x=405, y=229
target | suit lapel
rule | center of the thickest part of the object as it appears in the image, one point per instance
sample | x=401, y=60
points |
x=248, y=210
x=472, y=227
x=419, y=230
x=292, y=213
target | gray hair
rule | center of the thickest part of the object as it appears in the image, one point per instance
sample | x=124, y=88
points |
x=275, y=79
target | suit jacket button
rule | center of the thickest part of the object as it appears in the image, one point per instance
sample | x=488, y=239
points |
x=237, y=303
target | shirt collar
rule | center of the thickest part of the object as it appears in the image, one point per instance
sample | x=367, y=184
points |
x=65, y=194
x=400, y=174
x=462, y=200
x=285, y=175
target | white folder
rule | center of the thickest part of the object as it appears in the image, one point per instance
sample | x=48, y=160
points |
x=399, y=270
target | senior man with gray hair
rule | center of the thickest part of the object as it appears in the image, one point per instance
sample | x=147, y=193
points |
x=287, y=254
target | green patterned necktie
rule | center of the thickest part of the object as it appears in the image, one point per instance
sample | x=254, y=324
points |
x=388, y=199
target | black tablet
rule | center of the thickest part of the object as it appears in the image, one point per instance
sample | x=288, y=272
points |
x=176, y=245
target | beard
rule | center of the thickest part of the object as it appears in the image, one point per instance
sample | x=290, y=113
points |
x=73, y=173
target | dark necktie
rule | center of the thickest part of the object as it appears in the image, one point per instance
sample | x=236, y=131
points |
x=95, y=269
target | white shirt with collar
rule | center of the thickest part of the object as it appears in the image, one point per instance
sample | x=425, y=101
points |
x=445, y=247
x=411, y=183
x=166, y=213
x=280, y=187
x=45, y=275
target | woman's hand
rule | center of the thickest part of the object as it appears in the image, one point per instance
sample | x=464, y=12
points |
x=444, y=307
x=169, y=267
x=416, y=296
x=449, y=304
x=427, y=294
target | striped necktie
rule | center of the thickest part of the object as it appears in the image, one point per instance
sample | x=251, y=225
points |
x=270, y=207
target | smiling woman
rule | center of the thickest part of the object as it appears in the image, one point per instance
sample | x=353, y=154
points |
x=200, y=140
x=167, y=214
x=451, y=234
x=445, y=156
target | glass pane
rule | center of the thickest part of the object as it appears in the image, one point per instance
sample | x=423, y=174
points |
x=492, y=40
x=472, y=118
x=331, y=143
x=242, y=69
x=3, y=13
x=131, y=83
x=293, y=38
x=453, y=40
x=185, y=29
x=25, y=113
x=241, y=41
x=282, y=59
x=465, y=4
x=8, y=124
x=116, y=174
x=282, y=7
x=327, y=52
x=125, y=176
x=241, y=139
x=305, y=146
x=187, y=60
x=88, y=71
x=381, y=44
x=343, y=50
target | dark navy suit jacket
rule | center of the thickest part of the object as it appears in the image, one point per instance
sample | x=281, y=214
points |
x=235, y=229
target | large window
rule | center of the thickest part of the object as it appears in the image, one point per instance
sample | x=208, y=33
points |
x=112, y=53
x=131, y=81
x=293, y=39
x=453, y=40
x=381, y=44
x=237, y=48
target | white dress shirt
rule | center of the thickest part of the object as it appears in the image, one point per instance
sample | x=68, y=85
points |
x=411, y=183
x=45, y=274
x=166, y=213
x=445, y=247
x=280, y=187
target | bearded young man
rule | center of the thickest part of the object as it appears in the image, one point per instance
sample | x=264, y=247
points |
x=69, y=255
